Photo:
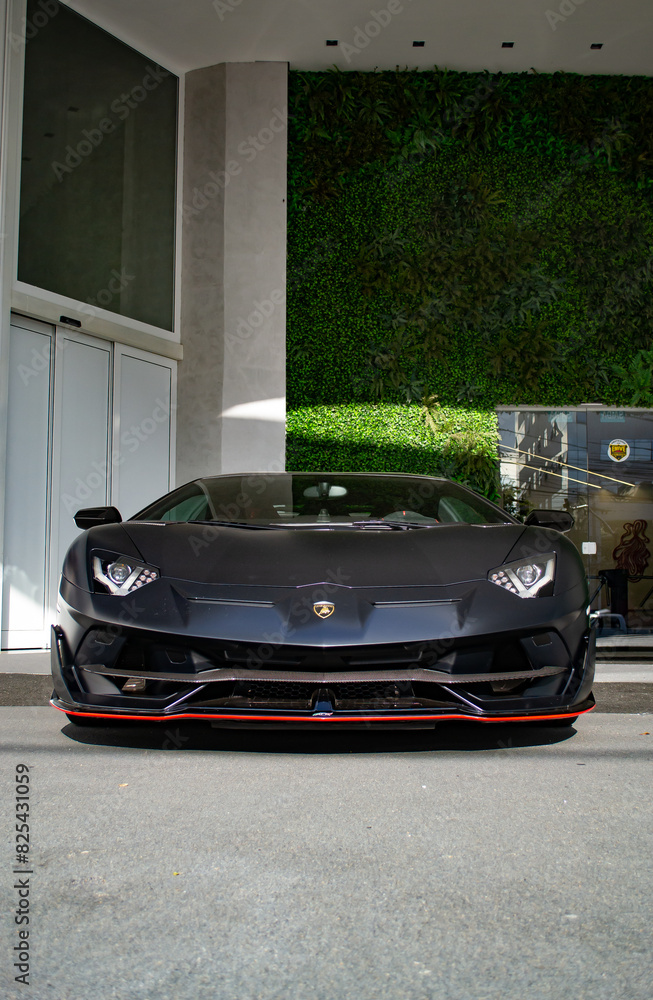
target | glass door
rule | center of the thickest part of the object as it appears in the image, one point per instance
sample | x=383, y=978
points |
x=81, y=469
x=25, y=562
x=621, y=517
x=596, y=463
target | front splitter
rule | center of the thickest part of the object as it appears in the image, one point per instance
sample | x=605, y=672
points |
x=340, y=719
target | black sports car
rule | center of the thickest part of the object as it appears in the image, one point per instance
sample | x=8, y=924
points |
x=326, y=599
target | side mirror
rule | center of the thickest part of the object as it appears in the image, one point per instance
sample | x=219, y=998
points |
x=90, y=517
x=561, y=520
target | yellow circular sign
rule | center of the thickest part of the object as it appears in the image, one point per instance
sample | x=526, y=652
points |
x=618, y=450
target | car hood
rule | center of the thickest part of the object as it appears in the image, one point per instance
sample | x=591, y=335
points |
x=297, y=557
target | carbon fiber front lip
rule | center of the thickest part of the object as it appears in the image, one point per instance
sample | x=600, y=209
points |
x=261, y=717
x=319, y=678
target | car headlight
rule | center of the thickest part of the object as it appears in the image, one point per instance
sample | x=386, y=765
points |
x=526, y=577
x=122, y=575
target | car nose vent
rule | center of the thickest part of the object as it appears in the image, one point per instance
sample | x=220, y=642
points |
x=374, y=658
x=104, y=638
x=543, y=639
x=265, y=653
x=134, y=685
x=417, y=604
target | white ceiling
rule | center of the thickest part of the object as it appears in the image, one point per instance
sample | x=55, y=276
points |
x=548, y=35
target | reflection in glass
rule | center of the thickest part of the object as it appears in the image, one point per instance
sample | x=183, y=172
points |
x=596, y=463
x=97, y=202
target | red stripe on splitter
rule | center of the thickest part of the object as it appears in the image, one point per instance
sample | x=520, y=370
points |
x=317, y=718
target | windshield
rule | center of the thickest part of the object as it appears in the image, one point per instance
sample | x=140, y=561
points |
x=296, y=499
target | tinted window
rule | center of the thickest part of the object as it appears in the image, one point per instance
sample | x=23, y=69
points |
x=195, y=507
x=301, y=499
x=98, y=171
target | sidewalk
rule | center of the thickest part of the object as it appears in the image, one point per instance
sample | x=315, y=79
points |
x=627, y=648
x=20, y=661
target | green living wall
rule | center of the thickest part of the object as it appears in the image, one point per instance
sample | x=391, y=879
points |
x=458, y=241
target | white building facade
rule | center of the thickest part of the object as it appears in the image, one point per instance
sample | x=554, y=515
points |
x=142, y=293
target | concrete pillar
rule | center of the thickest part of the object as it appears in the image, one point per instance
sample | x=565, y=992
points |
x=200, y=374
x=231, y=390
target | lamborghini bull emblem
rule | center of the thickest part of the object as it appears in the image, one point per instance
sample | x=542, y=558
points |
x=324, y=609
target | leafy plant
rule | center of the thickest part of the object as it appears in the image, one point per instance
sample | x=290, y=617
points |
x=523, y=354
x=386, y=437
x=482, y=238
x=638, y=379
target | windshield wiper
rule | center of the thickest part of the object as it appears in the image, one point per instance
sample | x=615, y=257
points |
x=369, y=522
x=380, y=522
x=232, y=524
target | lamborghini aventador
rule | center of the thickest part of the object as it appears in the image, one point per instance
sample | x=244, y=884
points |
x=304, y=600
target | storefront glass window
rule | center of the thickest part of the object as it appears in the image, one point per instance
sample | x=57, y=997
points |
x=597, y=463
x=98, y=175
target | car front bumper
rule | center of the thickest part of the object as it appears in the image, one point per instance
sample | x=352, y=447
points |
x=353, y=693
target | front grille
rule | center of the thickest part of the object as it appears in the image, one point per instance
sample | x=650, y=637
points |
x=289, y=690
x=260, y=691
x=302, y=695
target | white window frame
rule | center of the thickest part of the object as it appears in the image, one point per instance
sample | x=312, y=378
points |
x=49, y=306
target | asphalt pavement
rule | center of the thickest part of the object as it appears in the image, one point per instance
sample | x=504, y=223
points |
x=471, y=862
